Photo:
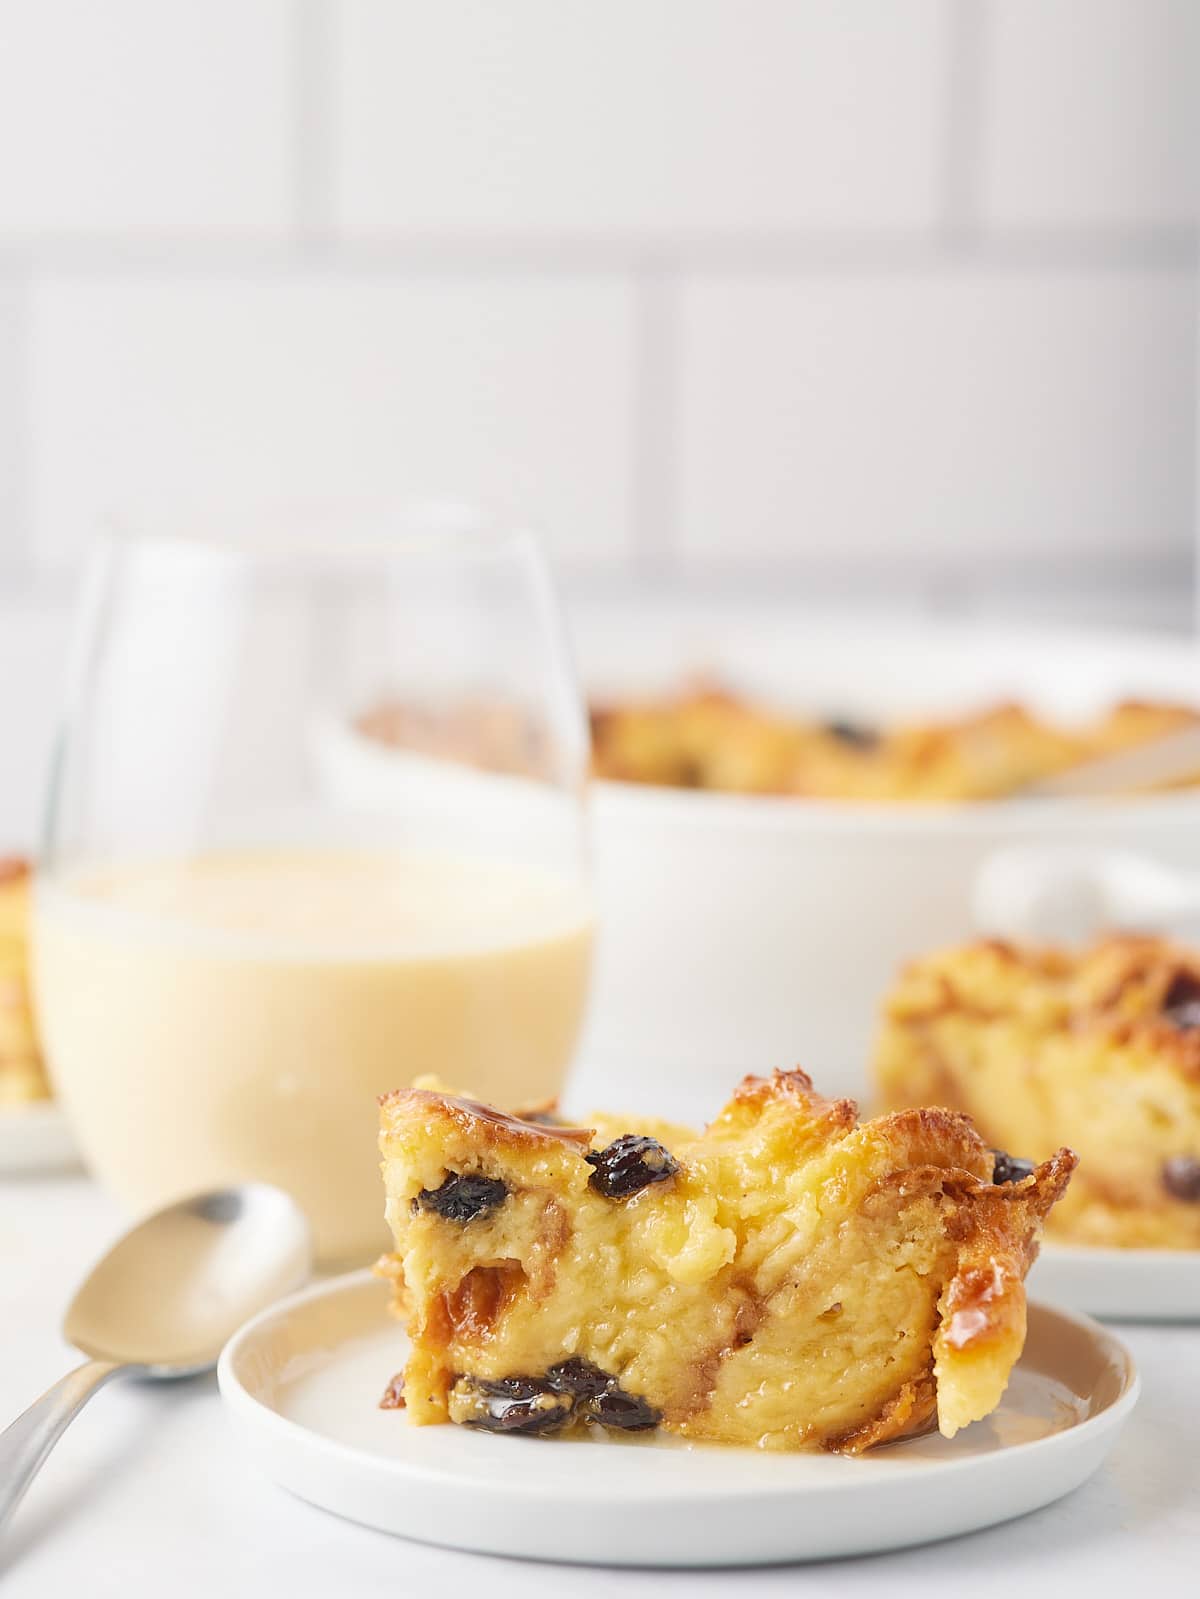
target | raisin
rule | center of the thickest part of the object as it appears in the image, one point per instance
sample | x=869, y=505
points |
x=463, y=1196
x=629, y=1164
x=393, y=1394
x=1181, y=1002
x=510, y=1404
x=856, y=734
x=1010, y=1168
x=1181, y=1177
x=616, y=1408
x=579, y=1378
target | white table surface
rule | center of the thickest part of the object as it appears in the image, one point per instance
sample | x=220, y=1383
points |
x=147, y=1493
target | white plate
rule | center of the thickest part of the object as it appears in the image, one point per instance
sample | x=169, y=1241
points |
x=302, y=1383
x=35, y=1138
x=1126, y=1284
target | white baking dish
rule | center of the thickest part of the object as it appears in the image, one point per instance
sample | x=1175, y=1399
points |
x=739, y=934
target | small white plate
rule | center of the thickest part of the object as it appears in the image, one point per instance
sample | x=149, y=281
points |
x=1125, y=1284
x=35, y=1138
x=303, y=1380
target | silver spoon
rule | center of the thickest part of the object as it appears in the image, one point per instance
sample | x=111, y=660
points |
x=162, y=1303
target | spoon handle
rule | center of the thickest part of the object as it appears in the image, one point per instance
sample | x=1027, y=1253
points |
x=26, y=1442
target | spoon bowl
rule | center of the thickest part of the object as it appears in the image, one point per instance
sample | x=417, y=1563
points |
x=162, y=1303
x=173, y=1290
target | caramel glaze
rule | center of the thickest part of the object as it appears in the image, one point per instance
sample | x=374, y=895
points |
x=485, y=1122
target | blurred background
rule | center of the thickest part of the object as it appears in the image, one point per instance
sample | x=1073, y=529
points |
x=808, y=302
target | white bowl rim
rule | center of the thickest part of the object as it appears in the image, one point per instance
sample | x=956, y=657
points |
x=784, y=812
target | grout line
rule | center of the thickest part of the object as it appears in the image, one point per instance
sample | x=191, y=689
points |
x=311, y=123
x=981, y=576
x=799, y=590
x=963, y=133
x=1124, y=593
x=1067, y=250
x=931, y=583
x=654, y=419
x=17, y=554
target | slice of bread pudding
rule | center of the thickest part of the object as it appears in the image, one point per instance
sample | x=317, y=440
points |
x=1039, y=1046
x=788, y=1279
x=22, y=1075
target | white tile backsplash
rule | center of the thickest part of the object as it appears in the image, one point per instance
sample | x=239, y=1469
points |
x=957, y=420
x=1090, y=113
x=547, y=117
x=137, y=114
x=512, y=389
x=879, y=296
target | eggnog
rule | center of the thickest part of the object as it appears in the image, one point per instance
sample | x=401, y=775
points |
x=235, y=1015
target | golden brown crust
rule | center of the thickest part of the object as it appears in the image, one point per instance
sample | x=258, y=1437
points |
x=475, y=1119
x=1117, y=991
x=911, y=1411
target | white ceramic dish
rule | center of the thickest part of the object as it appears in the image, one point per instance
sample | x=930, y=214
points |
x=738, y=934
x=1123, y=1284
x=303, y=1380
x=742, y=933
x=35, y=1138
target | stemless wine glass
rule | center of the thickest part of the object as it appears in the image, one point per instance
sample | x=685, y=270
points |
x=315, y=828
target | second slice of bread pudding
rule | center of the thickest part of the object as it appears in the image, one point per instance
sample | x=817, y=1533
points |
x=788, y=1279
x=22, y=1074
x=1042, y=1046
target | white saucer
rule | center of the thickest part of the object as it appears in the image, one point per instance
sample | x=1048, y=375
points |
x=303, y=1380
x=1125, y=1284
x=35, y=1138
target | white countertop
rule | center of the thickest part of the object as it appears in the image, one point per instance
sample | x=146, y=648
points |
x=146, y=1493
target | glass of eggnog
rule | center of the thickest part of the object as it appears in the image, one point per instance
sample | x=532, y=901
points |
x=315, y=828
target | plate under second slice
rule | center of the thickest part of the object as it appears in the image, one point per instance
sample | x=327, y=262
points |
x=1123, y=1284
x=303, y=1381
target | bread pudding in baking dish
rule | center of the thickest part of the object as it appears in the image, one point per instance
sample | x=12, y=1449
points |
x=1100, y=1048
x=789, y=1278
x=710, y=739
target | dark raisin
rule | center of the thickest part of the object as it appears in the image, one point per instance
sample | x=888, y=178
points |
x=1181, y=1002
x=856, y=734
x=393, y=1394
x=579, y=1378
x=616, y=1408
x=1010, y=1168
x=463, y=1196
x=1181, y=1177
x=511, y=1404
x=629, y=1164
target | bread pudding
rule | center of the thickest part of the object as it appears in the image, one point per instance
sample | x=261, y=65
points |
x=1038, y=1046
x=22, y=1078
x=789, y=1278
x=711, y=739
